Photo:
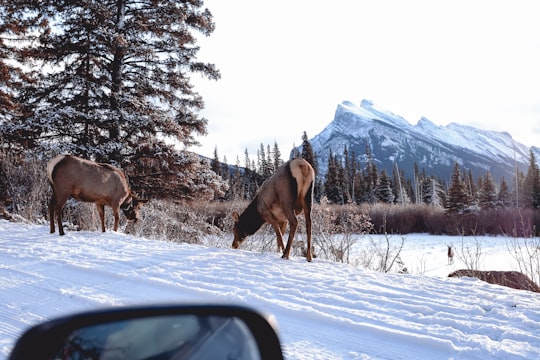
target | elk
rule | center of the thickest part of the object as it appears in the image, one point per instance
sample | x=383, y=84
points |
x=88, y=181
x=286, y=194
x=450, y=254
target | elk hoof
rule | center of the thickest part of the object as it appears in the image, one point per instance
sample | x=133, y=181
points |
x=286, y=257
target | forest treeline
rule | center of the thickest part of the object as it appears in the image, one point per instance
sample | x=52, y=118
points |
x=467, y=205
x=348, y=181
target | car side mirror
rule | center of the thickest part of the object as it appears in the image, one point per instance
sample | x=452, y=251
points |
x=153, y=333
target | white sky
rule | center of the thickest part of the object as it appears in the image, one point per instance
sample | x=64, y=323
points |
x=287, y=64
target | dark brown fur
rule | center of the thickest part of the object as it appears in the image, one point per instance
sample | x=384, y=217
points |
x=88, y=181
x=511, y=279
x=282, y=197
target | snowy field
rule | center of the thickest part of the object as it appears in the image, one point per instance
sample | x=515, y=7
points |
x=325, y=310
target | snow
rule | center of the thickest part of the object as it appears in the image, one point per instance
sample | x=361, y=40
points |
x=325, y=310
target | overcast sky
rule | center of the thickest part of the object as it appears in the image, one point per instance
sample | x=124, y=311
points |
x=287, y=64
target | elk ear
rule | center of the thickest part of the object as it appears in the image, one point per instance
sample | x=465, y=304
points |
x=235, y=216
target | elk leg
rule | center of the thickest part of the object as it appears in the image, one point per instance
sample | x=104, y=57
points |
x=307, y=215
x=116, y=214
x=279, y=234
x=293, y=224
x=282, y=228
x=52, y=204
x=58, y=207
x=101, y=212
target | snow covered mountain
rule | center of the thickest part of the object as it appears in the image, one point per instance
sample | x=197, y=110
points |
x=392, y=141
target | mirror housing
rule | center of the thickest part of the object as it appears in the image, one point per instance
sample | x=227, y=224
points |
x=154, y=332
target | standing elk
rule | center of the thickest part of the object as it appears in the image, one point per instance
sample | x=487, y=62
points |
x=88, y=181
x=286, y=194
x=450, y=254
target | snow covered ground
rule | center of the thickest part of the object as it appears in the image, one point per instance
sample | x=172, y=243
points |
x=325, y=310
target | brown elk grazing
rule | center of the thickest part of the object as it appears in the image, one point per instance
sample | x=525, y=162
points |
x=511, y=279
x=282, y=197
x=88, y=181
x=450, y=254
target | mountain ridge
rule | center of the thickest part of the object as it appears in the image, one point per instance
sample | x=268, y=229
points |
x=392, y=140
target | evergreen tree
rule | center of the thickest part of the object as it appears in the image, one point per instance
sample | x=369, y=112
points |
x=531, y=184
x=488, y=193
x=371, y=181
x=503, y=197
x=277, y=161
x=270, y=160
x=11, y=76
x=308, y=154
x=351, y=174
x=458, y=196
x=348, y=176
x=472, y=190
x=417, y=192
x=250, y=177
x=332, y=184
x=215, y=164
x=118, y=85
x=236, y=186
x=432, y=192
x=265, y=162
x=358, y=187
x=383, y=191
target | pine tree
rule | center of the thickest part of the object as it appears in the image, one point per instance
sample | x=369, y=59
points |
x=351, y=174
x=331, y=179
x=458, y=198
x=10, y=75
x=487, y=193
x=531, y=184
x=371, y=181
x=308, y=154
x=332, y=184
x=383, y=191
x=215, y=164
x=432, y=192
x=471, y=188
x=118, y=84
x=503, y=197
x=417, y=191
x=277, y=161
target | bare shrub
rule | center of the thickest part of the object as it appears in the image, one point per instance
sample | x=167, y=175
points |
x=406, y=219
x=421, y=266
x=25, y=186
x=383, y=254
x=470, y=252
x=172, y=221
x=337, y=228
x=435, y=220
x=524, y=246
